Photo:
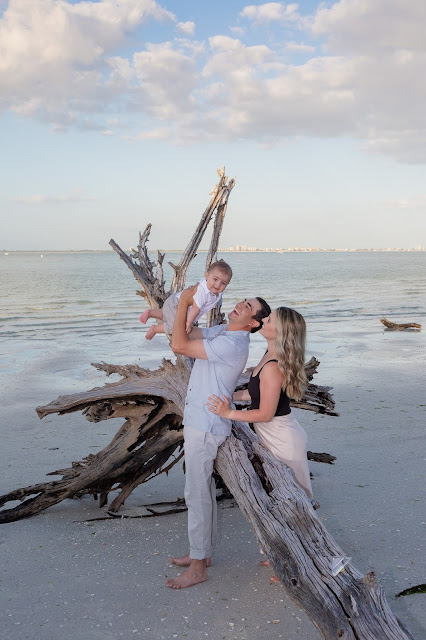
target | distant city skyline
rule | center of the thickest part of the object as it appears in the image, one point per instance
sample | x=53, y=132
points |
x=115, y=114
x=228, y=250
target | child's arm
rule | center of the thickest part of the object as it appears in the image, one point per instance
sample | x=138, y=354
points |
x=241, y=396
x=190, y=318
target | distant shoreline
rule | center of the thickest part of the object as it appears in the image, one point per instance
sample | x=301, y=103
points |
x=289, y=250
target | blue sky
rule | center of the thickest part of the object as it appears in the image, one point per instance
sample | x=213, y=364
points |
x=117, y=113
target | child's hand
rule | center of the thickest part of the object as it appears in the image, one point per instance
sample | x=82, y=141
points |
x=188, y=328
x=219, y=407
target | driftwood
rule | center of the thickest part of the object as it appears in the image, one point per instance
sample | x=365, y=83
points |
x=299, y=548
x=348, y=605
x=151, y=402
x=393, y=326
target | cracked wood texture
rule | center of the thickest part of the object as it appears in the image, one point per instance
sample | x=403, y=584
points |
x=348, y=606
x=151, y=402
x=300, y=549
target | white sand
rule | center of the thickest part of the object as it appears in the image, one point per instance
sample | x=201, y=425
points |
x=61, y=578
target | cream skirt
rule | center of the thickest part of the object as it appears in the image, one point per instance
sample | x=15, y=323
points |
x=284, y=437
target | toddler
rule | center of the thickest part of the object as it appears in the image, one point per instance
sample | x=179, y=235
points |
x=207, y=296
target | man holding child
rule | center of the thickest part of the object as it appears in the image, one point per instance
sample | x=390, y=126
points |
x=220, y=355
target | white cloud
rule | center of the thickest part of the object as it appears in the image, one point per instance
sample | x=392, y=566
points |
x=63, y=63
x=366, y=87
x=187, y=28
x=231, y=57
x=54, y=54
x=160, y=133
x=372, y=25
x=299, y=47
x=166, y=77
x=271, y=12
x=238, y=32
x=38, y=199
x=409, y=203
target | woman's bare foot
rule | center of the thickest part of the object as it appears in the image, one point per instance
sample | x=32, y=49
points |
x=195, y=573
x=266, y=563
x=145, y=315
x=185, y=561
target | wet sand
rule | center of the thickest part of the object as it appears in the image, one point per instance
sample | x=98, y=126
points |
x=62, y=577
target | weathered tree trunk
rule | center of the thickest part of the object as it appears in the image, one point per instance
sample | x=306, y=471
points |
x=346, y=606
x=394, y=326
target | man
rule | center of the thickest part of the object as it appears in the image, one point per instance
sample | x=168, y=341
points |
x=220, y=356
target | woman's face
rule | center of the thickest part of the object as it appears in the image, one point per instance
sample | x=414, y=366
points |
x=269, y=328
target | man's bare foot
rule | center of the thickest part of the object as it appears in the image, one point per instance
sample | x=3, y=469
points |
x=145, y=315
x=194, y=574
x=185, y=561
x=151, y=332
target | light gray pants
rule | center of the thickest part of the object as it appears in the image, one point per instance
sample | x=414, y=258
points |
x=200, y=491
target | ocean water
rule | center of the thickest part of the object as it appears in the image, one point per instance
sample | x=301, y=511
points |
x=83, y=306
x=61, y=312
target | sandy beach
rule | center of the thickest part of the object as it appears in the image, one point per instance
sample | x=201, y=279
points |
x=64, y=577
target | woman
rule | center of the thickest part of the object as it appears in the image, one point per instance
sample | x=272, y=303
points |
x=279, y=377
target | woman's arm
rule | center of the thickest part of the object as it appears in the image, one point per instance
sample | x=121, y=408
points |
x=270, y=389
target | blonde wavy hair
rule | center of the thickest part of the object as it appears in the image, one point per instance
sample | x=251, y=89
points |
x=290, y=346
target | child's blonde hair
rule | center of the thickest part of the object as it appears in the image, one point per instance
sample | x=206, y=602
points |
x=290, y=345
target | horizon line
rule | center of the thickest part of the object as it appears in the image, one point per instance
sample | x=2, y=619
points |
x=230, y=250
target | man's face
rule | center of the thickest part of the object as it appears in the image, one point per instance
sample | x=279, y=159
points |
x=243, y=313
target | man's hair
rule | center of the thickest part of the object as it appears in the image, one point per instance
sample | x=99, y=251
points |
x=222, y=266
x=263, y=312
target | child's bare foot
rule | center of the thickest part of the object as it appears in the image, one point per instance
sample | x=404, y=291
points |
x=275, y=579
x=185, y=561
x=151, y=332
x=145, y=315
x=195, y=573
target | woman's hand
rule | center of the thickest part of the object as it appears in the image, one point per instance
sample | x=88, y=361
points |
x=219, y=407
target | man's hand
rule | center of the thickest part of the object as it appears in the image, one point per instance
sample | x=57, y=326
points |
x=187, y=295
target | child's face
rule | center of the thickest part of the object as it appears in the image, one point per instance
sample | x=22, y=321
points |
x=217, y=281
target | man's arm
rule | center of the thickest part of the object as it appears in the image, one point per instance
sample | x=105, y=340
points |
x=181, y=342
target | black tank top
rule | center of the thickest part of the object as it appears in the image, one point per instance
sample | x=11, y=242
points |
x=253, y=387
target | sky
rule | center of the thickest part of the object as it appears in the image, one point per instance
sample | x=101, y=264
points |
x=117, y=113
